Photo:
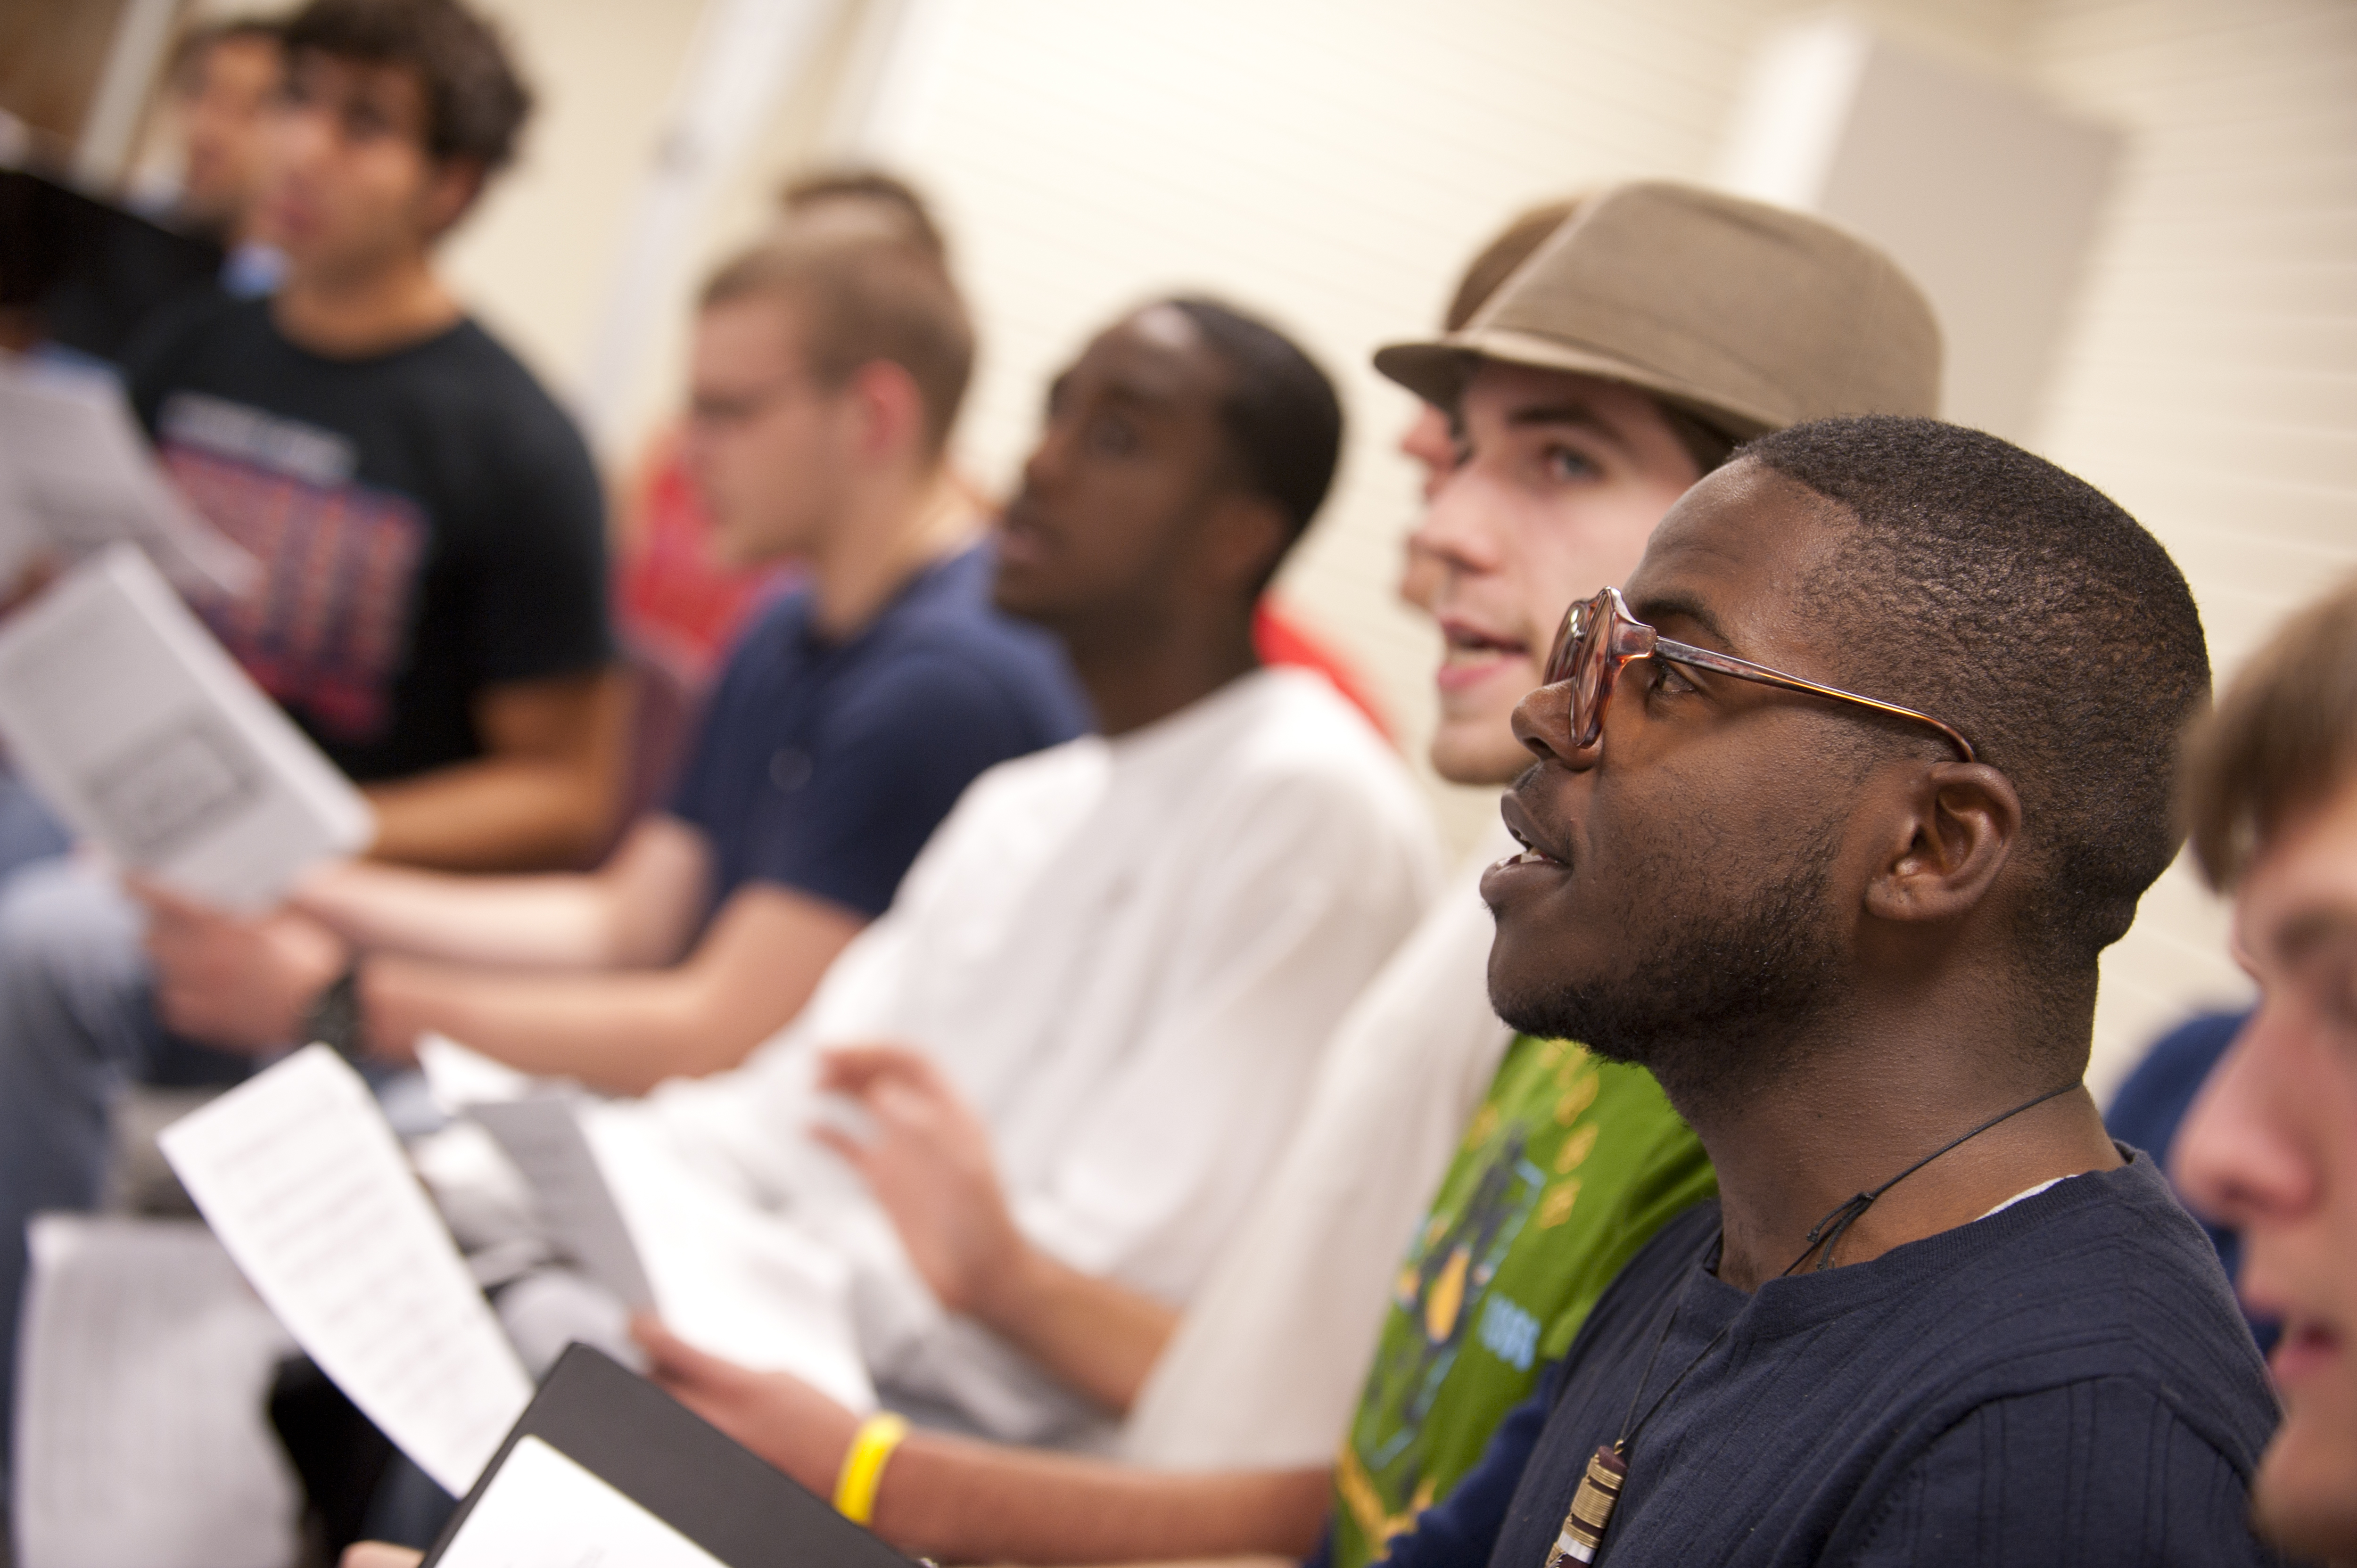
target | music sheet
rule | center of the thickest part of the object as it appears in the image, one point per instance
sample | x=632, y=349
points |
x=134, y=725
x=301, y=1179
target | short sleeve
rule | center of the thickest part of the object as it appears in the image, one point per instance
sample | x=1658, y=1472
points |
x=845, y=823
x=2078, y=1476
x=536, y=597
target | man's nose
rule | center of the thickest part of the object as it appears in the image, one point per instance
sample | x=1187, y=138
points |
x=2239, y=1157
x=1455, y=529
x=1542, y=724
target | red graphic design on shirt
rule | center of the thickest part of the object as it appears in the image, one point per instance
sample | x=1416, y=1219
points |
x=327, y=628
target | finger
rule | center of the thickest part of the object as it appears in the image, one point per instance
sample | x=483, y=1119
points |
x=674, y=1361
x=859, y=1156
x=377, y=1554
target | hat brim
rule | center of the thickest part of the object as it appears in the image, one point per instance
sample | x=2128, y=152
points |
x=1436, y=370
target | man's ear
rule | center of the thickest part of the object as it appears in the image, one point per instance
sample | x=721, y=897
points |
x=1949, y=847
x=891, y=409
x=1245, y=536
x=451, y=186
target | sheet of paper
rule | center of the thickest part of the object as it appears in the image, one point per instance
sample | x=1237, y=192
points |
x=543, y=1137
x=729, y=1277
x=543, y=1510
x=75, y=475
x=302, y=1180
x=135, y=725
x=141, y=1440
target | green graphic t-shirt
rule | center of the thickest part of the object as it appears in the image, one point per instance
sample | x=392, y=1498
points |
x=1569, y=1166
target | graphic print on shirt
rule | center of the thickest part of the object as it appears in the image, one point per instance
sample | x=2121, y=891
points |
x=1517, y=1164
x=326, y=631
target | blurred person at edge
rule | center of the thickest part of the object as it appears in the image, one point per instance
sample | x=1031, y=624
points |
x=224, y=77
x=1582, y=409
x=2270, y=1146
x=431, y=606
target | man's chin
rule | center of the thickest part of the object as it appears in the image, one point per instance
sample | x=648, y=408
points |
x=2302, y=1501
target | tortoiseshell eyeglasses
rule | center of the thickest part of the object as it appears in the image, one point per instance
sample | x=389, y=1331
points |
x=1598, y=636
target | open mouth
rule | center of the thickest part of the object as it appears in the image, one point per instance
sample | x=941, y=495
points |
x=1471, y=653
x=2307, y=1348
x=1518, y=826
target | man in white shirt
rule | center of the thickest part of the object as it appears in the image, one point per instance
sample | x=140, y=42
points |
x=1126, y=951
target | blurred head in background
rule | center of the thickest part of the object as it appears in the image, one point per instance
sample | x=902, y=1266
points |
x=825, y=374
x=393, y=115
x=1640, y=338
x=223, y=79
x=1185, y=452
x=2270, y=1146
x=858, y=201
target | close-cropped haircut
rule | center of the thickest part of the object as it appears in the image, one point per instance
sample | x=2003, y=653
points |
x=2282, y=739
x=1989, y=588
x=857, y=299
x=884, y=200
x=475, y=103
x=1284, y=421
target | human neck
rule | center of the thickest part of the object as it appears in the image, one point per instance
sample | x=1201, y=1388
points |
x=370, y=310
x=1137, y=674
x=894, y=527
x=1861, y=1104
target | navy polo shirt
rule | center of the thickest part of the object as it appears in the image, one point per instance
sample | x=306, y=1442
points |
x=824, y=765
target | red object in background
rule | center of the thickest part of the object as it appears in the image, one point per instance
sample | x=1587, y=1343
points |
x=677, y=604
x=1280, y=640
x=670, y=598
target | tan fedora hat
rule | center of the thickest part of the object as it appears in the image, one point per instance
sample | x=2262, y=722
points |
x=1749, y=317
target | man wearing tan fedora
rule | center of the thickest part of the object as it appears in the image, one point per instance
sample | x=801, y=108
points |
x=1627, y=350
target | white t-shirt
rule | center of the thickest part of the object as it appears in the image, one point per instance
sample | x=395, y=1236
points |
x=1267, y=1362
x=1128, y=954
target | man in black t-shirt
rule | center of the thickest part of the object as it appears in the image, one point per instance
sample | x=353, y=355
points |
x=432, y=604
x=1836, y=866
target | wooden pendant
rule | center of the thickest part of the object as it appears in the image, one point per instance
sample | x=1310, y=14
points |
x=1591, y=1508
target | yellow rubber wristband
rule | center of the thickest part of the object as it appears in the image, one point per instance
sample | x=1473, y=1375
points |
x=863, y=1466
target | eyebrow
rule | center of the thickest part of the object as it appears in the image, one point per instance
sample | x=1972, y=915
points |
x=1655, y=609
x=1561, y=413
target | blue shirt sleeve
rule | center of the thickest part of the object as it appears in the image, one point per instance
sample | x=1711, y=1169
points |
x=2083, y=1475
x=1461, y=1531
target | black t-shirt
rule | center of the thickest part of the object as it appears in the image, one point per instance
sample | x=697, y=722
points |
x=824, y=766
x=428, y=522
x=2065, y=1382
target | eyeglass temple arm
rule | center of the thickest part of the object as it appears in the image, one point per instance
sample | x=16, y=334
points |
x=1744, y=670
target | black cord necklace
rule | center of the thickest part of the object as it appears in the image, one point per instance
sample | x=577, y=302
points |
x=1608, y=1468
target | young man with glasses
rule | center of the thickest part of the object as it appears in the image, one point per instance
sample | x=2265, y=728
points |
x=1834, y=810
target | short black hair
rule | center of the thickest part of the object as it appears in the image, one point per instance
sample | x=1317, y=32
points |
x=1283, y=418
x=197, y=41
x=475, y=103
x=1989, y=588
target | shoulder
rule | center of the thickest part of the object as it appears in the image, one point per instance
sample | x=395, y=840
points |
x=1291, y=741
x=2101, y=1279
x=468, y=374
x=949, y=638
x=188, y=331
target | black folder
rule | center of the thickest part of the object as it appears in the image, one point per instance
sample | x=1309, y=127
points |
x=679, y=1467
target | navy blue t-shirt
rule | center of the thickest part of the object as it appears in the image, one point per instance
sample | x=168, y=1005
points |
x=2064, y=1382
x=824, y=765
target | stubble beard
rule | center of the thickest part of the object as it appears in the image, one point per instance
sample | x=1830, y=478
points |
x=1718, y=1001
